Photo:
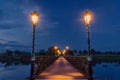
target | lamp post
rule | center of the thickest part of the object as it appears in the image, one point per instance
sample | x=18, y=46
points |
x=88, y=18
x=55, y=47
x=66, y=49
x=34, y=19
x=63, y=52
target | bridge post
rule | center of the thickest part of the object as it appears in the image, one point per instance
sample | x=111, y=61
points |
x=33, y=55
x=89, y=56
x=34, y=19
x=90, y=70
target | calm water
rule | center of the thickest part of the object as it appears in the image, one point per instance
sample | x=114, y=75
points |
x=107, y=71
x=104, y=71
x=13, y=72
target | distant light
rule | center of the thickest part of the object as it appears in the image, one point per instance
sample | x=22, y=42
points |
x=59, y=52
x=64, y=51
x=67, y=47
x=55, y=47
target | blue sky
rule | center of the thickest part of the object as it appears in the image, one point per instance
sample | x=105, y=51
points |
x=60, y=24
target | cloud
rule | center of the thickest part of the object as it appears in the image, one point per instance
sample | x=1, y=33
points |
x=1, y=14
x=14, y=23
x=6, y=24
x=11, y=24
x=13, y=45
x=8, y=47
x=11, y=15
x=16, y=15
x=2, y=41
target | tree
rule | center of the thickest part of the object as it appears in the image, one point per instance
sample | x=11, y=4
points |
x=85, y=52
x=70, y=52
x=80, y=52
x=17, y=52
x=75, y=50
x=51, y=51
x=42, y=52
x=93, y=51
x=9, y=52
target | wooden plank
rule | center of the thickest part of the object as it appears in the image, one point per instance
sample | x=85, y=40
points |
x=60, y=69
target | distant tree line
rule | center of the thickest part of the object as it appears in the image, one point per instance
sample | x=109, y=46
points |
x=76, y=52
x=51, y=52
x=15, y=57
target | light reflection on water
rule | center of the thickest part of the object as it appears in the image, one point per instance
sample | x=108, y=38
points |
x=108, y=71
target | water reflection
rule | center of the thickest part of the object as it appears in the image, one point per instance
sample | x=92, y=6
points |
x=107, y=71
x=16, y=62
x=18, y=70
x=14, y=72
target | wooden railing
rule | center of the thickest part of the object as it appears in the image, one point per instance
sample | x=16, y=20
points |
x=80, y=63
x=42, y=62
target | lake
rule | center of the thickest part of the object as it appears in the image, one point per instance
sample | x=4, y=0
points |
x=103, y=71
x=107, y=71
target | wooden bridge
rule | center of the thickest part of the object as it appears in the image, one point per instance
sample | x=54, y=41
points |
x=62, y=68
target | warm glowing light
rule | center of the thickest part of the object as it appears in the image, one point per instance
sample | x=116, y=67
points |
x=34, y=18
x=64, y=71
x=55, y=47
x=64, y=51
x=60, y=77
x=58, y=51
x=67, y=47
x=87, y=17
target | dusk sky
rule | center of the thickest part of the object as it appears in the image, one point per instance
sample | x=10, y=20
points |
x=60, y=24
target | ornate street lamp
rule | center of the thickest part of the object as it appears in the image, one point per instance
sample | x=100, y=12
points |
x=34, y=16
x=87, y=19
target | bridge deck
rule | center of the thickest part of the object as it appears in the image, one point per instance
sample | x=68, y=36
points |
x=61, y=69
